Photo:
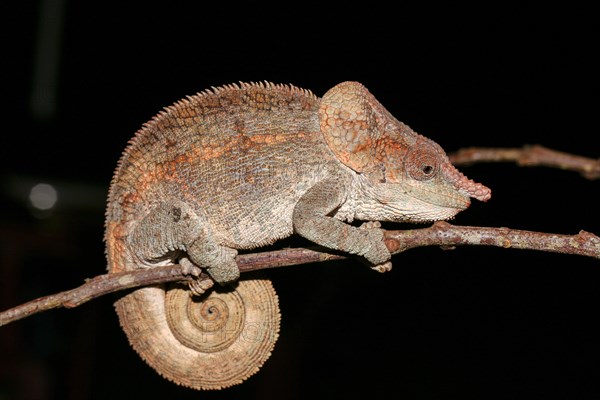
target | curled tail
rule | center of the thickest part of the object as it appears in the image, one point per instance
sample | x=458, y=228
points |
x=203, y=342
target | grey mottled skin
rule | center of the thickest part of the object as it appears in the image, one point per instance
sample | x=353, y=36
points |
x=241, y=166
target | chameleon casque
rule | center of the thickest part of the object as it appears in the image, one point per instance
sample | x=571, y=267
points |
x=239, y=167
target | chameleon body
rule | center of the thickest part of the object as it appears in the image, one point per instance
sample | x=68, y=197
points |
x=239, y=167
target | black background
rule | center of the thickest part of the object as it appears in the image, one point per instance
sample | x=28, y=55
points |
x=476, y=322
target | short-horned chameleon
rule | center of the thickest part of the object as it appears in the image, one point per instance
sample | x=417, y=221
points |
x=239, y=167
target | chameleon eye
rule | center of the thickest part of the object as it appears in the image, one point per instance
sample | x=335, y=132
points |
x=421, y=164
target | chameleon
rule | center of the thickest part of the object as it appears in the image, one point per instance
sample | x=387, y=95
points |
x=238, y=167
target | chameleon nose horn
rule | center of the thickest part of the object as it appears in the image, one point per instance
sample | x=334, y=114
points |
x=465, y=185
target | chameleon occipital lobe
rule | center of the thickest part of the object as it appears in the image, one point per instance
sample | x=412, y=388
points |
x=239, y=167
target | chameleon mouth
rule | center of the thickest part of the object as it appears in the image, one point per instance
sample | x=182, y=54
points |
x=413, y=203
x=443, y=214
x=445, y=199
x=397, y=213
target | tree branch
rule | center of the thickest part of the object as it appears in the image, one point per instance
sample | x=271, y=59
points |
x=529, y=156
x=444, y=234
x=439, y=234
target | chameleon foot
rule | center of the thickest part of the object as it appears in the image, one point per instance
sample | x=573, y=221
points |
x=201, y=285
x=385, y=267
x=202, y=282
x=189, y=268
x=370, y=225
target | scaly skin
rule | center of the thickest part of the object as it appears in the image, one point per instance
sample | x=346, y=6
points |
x=241, y=166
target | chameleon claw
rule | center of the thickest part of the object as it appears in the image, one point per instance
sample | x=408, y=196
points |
x=202, y=282
x=370, y=225
x=199, y=286
x=385, y=267
x=189, y=268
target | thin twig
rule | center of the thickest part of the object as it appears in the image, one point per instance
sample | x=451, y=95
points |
x=439, y=234
x=529, y=156
x=444, y=234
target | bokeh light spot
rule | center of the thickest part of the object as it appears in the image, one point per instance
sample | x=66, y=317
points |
x=43, y=196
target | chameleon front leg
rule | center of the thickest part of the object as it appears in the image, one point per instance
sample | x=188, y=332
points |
x=311, y=220
x=173, y=226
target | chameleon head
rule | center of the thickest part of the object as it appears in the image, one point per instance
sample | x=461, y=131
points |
x=400, y=175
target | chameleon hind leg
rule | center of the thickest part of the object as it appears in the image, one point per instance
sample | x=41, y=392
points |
x=173, y=227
